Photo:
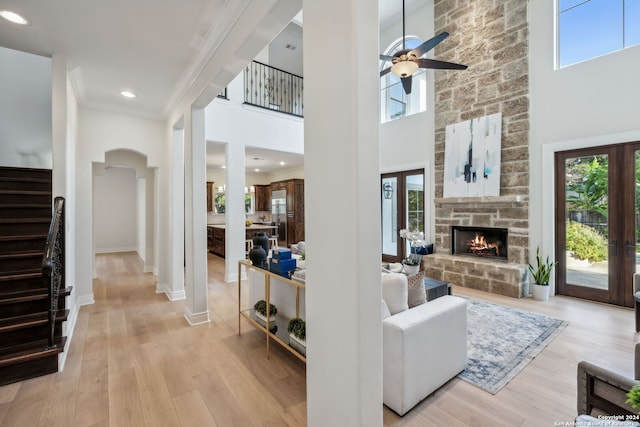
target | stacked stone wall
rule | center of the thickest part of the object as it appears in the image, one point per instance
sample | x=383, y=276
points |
x=491, y=37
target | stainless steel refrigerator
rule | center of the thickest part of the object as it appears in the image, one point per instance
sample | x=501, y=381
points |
x=279, y=213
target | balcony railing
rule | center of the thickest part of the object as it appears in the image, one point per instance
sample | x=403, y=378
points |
x=273, y=89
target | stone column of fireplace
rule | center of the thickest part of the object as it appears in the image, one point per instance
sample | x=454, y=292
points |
x=491, y=37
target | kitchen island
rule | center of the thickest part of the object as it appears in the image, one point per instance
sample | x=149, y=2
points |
x=216, y=235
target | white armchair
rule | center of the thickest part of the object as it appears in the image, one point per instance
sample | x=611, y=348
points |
x=423, y=348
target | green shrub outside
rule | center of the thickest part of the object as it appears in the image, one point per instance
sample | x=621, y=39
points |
x=586, y=242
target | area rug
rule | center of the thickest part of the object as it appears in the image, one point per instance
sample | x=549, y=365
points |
x=501, y=341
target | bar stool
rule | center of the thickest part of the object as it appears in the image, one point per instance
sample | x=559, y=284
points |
x=273, y=242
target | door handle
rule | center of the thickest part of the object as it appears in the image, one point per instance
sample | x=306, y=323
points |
x=630, y=249
x=614, y=247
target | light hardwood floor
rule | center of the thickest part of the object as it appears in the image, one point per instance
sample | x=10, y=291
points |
x=134, y=361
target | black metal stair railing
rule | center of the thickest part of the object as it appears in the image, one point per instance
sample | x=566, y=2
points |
x=273, y=89
x=53, y=265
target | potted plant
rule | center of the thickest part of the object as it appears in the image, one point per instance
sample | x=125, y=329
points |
x=261, y=314
x=540, y=274
x=298, y=335
x=634, y=396
x=411, y=264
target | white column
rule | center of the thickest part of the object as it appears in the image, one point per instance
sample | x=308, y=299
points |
x=235, y=215
x=150, y=256
x=196, y=308
x=175, y=288
x=342, y=213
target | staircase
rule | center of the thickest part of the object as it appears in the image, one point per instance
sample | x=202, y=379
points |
x=30, y=324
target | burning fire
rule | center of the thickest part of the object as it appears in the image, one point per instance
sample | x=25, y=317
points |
x=480, y=245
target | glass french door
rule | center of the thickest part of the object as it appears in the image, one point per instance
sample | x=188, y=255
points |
x=402, y=196
x=596, y=222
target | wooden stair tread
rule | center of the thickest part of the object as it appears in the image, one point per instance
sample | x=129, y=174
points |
x=27, y=274
x=25, y=179
x=23, y=220
x=32, y=351
x=26, y=254
x=23, y=237
x=13, y=297
x=27, y=192
x=25, y=205
x=20, y=275
x=29, y=320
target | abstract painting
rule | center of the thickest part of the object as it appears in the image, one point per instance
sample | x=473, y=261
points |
x=472, y=157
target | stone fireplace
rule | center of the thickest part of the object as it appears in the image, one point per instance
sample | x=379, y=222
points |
x=492, y=38
x=504, y=220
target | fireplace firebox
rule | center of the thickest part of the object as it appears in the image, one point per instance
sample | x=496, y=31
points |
x=485, y=242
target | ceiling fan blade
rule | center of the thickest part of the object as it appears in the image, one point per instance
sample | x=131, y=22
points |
x=385, y=71
x=386, y=58
x=429, y=44
x=406, y=84
x=440, y=65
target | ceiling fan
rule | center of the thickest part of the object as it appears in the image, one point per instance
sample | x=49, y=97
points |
x=407, y=61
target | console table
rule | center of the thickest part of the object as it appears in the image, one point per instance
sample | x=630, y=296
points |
x=281, y=335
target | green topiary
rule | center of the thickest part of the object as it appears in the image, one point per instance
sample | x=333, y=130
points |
x=634, y=396
x=261, y=307
x=586, y=242
x=298, y=328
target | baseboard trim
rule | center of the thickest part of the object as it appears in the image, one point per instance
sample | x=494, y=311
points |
x=86, y=300
x=70, y=327
x=149, y=269
x=163, y=288
x=196, y=319
x=116, y=250
x=233, y=277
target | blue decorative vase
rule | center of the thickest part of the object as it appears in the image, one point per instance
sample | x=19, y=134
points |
x=261, y=239
x=258, y=255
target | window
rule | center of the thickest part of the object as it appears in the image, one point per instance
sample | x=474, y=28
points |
x=591, y=28
x=219, y=202
x=394, y=103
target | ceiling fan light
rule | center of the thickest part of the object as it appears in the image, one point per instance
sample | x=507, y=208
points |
x=404, y=68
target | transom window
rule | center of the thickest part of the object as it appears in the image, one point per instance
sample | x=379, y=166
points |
x=591, y=28
x=394, y=103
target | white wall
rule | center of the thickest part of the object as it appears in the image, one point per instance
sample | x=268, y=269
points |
x=587, y=104
x=284, y=174
x=98, y=133
x=217, y=175
x=64, y=127
x=115, y=210
x=233, y=121
x=25, y=109
x=408, y=143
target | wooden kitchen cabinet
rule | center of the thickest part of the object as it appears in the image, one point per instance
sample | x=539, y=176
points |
x=216, y=240
x=263, y=198
x=295, y=209
x=209, y=196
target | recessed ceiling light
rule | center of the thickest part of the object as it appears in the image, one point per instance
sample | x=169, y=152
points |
x=128, y=94
x=282, y=163
x=256, y=170
x=224, y=167
x=14, y=17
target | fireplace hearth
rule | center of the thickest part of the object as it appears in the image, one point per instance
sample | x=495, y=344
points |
x=486, y=242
